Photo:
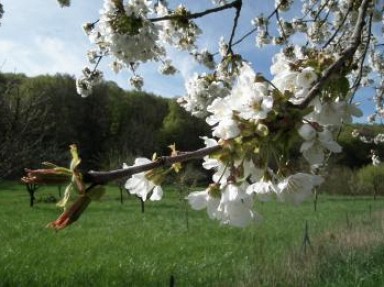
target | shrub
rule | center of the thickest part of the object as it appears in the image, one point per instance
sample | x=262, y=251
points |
x=369, y=180
x=338, y=181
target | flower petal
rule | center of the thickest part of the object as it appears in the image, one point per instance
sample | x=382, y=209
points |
x=157, y=193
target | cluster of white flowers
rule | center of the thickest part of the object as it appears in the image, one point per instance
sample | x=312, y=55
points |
x=201, y=91
x=283, y=5
x=249, y=100
x=178, y=33
x=167, y=68
x=370, y=138
x=253, y=120
x=249, y=118
x=137, y=82
x=296, y=82
x=232, y=202
x=233, y=206
x=329, y=110
x=318, y=140
x=246, y=110
x=85, y=83
x=236, y=202
x=126, y=32
x=205, y=58
x=228, y=201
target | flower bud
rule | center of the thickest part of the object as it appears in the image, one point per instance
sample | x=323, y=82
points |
x=54, y=176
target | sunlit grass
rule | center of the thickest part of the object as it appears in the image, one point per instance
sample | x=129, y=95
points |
x=114, y=244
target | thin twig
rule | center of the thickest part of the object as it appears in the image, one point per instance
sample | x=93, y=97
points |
x=320, y=11
x=246, y=35
x=360, y=75
x=235, y=22
x=338, y=28
x=281, y=27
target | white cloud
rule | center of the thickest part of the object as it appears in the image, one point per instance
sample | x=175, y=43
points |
x=14, y=57
x=60, y=56
x=44, y=55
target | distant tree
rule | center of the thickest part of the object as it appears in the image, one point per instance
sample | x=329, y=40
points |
x=135, y=122
x=181, y=128
x=23, y=126
x=356, y=153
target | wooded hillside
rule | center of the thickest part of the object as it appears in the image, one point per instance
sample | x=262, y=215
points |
x=42, y=116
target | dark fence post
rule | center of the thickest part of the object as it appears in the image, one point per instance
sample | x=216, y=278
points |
x=31, y=188
x=172, y=281
x=121, y=191
x=306, y=240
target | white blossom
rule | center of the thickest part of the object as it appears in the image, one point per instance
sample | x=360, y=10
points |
x=219, y=2
x=92, y=55
x=83, y=87
x=202, y=199
x=181, y=35
x=167, y=68
x=306, y=78
x=140, y=185
x=333, y=112
x=298, y=187
x=137, y=82
x=379, y=138
x=223, y=47
x=250, y=98
x=205, y=58
x=375, y=160
x=235, y=207
x=116, y=66
x=286, y=80
x=316, y=143
x=264, y=189
x=127, y=44
x=85, y=83
x=220, y=110
x=226, y=129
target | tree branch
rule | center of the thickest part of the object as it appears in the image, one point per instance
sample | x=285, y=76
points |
x=235, y=22
x=103, y=177
x=233, y=4
x=345, y=55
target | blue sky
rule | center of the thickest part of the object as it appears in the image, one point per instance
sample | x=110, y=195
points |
x=39, y=37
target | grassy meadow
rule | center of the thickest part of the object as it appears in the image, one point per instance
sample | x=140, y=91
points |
x=115, y=244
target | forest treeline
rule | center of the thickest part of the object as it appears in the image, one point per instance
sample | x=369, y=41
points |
x=41, y=116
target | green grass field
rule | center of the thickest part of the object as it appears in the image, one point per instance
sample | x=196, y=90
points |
x=114, y=244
